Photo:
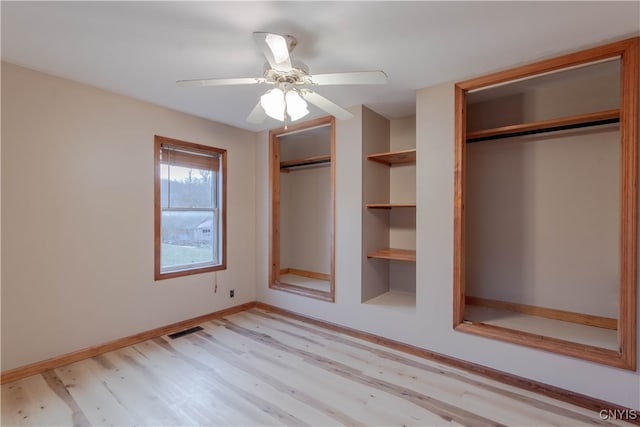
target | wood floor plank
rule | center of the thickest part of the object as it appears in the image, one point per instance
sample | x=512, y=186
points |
x=78, y=418
x=236, y=392
x=280, y=375
x=400, y=374
x=265, y=369
x=31, y=402
x=136, y=390
x=233, y=400
x=99, y=403
x=428, y=373
x=333, y=392
x=444, y=410
x=267, y=393
x=371, y=406
x=246, y=388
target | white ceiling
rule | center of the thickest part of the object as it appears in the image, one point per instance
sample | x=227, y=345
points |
x=141, y=48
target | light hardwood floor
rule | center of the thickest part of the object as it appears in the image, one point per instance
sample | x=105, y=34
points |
x=259, y=368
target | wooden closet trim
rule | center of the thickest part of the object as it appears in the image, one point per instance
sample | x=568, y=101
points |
x=611, y=50
x=274, y=208
x=625, y=358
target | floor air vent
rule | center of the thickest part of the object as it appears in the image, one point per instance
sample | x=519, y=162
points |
x=185, y=332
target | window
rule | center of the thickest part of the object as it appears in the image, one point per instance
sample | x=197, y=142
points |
x=190, y=208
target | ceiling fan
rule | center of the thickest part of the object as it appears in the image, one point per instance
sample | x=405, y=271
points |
x=287, y=101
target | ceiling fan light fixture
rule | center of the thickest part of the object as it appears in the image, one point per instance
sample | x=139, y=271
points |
x=273, y=104
x=296, y=106
x=276, y=102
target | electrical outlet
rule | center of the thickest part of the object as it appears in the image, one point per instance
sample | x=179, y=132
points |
x=232, y=293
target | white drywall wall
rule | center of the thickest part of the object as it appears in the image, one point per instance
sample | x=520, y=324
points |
x=543, y=221
x=305, y=219
x=77, y=216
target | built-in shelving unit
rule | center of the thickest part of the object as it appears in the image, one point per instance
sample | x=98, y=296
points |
x=391, y=158
x=394, y=254
x=394, y=157
x=389, y=212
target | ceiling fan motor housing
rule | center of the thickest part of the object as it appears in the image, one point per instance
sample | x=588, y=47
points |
x=299, y=74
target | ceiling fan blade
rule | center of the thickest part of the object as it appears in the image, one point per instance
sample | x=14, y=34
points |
x=326, y=105
x=257, y=115
x=356, y=78
x=220, y=82
x=275, y=48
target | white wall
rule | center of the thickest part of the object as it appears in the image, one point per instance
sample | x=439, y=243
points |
x=305, y=219
x=306, y=143
x=543, y=221
x=77, y=218
x=376, y=136
x=430, y=325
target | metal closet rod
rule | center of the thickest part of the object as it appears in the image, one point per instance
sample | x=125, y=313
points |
x=306, y=163
x=545, y=130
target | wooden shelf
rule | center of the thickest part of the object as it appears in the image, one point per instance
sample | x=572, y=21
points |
x=552, y=125
x=315, y=160
x=390, y=205
x=394, y=157
x=394, y=254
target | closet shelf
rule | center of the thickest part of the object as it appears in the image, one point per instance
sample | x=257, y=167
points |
x=394, y=254
x=390, y=205
x=308, y=161
x=552, y=125
x=394, y=157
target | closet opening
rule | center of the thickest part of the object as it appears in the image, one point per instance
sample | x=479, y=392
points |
x=302, y=209
x=546, y=203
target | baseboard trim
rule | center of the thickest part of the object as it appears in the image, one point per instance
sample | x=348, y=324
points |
x=558, y=393
x=75, y=356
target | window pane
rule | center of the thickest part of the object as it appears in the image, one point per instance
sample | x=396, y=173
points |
x=164, y=185
x=188, y=239
x=190, y=188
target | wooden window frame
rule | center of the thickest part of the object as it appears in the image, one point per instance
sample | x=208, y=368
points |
x=625, y=357
x=188, y=146
x=274, y=204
